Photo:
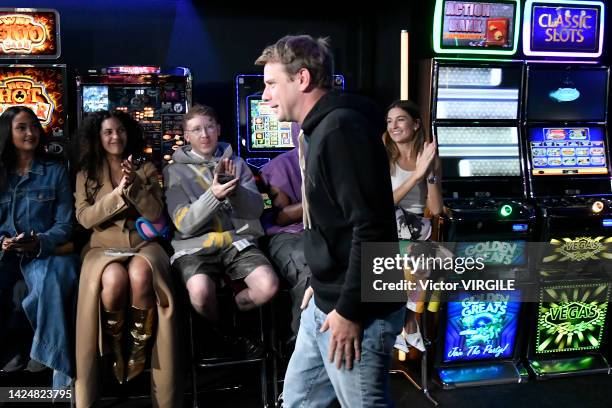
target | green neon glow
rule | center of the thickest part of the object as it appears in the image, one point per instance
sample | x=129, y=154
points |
x=505, y=210
x=437, y=32
x=571, y=317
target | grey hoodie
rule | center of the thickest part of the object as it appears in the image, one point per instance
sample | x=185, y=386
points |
x=204, y=225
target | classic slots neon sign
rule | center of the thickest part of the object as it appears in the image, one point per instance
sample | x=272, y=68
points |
x=28, y=33
x=563, y=28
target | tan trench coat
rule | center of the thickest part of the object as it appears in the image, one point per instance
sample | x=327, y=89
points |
x=110, y=229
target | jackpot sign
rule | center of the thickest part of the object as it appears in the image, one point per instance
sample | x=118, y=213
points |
x=564, y=28
x=23, y=91
x=28, y=33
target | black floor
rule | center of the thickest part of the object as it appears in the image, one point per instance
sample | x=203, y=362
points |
x=584, y=391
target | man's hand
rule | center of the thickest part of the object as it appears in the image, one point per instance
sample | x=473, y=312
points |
x=222, y=190
x=307, y=295
x=345, y=342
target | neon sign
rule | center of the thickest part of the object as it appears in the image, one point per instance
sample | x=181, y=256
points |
x=476, y=27
x=481, y=326
x=40, y=89
x=579, y=249
x=572, y=317
x=494, y=252
x=29, y=33
x=563, y=28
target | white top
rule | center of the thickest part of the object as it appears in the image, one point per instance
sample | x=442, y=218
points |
x=416, y=198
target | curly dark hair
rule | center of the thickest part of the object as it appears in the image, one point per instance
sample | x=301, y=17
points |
x=91, y=152
x=8, y=154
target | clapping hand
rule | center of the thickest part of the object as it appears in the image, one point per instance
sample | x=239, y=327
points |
x=424, y=159
x=128, y=172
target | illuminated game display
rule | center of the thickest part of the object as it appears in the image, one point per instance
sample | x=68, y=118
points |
x=260, y=136
x=30, y=33
x=478, y=92
x=563, y=28
x=476, y=27
x=95, y=98
x=481, y=326
x=157, y=100
x=572, y=150
x=265, y=130
x=486, y=93
x=40, y=88
x=494, y=253
x=567, y=94
x=571, y=317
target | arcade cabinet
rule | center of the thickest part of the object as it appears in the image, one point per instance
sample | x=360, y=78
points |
x=568, y=162
x=473, y=107
x=156, y=99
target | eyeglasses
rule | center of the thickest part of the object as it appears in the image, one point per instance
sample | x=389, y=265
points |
x=200, y=130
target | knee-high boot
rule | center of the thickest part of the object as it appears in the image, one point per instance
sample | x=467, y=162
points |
x=141, y=330
x=112, y=325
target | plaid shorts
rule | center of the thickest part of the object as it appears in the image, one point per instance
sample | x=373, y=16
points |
x=229, y=263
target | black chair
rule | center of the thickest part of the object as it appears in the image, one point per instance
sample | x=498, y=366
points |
x=225, y=296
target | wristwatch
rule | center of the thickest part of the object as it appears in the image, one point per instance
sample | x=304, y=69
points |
x=431, y=179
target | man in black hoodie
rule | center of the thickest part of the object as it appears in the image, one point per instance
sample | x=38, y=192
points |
x=343, y=346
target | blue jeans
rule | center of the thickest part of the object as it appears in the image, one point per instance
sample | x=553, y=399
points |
x=312, y=381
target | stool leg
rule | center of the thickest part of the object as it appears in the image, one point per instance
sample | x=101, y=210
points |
x=194, y=378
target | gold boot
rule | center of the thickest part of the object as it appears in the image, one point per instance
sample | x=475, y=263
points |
x=141, y=330
x=112, y=326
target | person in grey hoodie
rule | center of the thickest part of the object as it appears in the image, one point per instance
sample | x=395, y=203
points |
x=215, y=206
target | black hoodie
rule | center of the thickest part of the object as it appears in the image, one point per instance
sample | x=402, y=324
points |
x=350, y=200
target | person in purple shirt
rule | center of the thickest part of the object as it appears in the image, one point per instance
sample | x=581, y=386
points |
x=284, y=225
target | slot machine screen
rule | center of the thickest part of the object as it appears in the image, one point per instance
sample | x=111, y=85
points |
x=473, y=27
x=567, y=151
x=571, y=317
x=95, y=98
x=266, y=132
x=481, y=326
x=478, y=151
x=567, y=94
x=478, y=92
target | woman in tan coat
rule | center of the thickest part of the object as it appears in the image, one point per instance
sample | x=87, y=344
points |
x=125, y=281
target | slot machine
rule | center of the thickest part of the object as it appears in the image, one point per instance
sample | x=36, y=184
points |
x=473, y=110
x=156, y=99
x=33, y=34
x=568, y=169
x=260, y=135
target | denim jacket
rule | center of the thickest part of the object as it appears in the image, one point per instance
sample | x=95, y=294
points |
x=42, y=201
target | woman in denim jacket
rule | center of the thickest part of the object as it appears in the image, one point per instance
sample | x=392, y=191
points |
x=36, y=212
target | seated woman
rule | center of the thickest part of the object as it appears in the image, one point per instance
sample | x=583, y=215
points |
x=415, y=178
x=36, y=212
x=122, y=272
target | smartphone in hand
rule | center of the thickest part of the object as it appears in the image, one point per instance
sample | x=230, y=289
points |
x=224, y=178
